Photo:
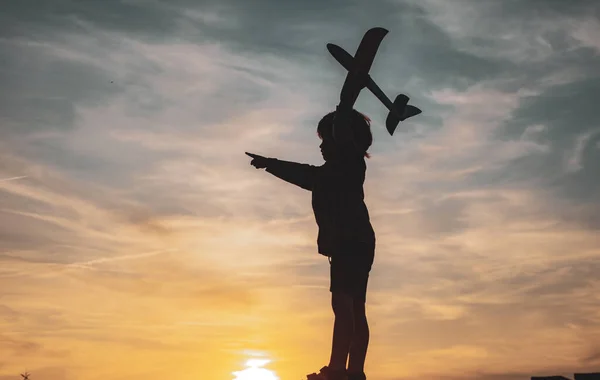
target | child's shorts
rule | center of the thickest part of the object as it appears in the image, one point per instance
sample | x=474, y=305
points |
x=350, y=269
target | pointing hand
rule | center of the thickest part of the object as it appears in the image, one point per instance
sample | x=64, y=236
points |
x=258, y=162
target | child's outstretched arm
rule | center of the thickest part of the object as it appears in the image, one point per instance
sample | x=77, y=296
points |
x=301, y=175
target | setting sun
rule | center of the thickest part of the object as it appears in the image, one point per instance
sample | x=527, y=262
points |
x=254, y=371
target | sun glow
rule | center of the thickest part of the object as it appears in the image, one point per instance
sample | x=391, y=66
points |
x=254, y=371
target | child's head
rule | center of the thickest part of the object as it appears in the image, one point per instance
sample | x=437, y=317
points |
x=361, y=129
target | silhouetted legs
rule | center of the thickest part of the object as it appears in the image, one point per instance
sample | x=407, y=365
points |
x=349, y=278
x=360, y=340
x=350, y=334
x=343, y=329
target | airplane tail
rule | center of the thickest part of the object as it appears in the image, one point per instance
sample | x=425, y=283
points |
x=403, y=111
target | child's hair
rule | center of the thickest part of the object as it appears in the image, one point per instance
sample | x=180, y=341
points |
x=361, y=128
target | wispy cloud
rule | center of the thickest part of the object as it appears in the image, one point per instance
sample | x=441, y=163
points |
x=12, y=178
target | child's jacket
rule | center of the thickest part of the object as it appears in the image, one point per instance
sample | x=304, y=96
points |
x=337, y=199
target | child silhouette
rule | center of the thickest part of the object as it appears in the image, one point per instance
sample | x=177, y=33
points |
x=345, y=236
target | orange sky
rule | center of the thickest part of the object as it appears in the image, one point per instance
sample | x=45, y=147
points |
x=137, y=241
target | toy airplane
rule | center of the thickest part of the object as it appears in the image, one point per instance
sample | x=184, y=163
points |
x=359, y=66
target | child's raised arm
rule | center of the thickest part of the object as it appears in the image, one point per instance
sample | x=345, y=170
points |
x=342, y=131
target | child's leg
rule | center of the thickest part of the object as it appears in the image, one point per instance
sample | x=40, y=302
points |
x=343, y=329
x=360, y=340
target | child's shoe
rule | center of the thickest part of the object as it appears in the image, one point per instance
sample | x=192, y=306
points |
x=327, y=373
x=357, y=376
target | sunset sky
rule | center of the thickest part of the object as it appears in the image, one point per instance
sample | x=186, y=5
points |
x=136, y=241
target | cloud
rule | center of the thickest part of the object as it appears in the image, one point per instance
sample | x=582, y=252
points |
x=571, y=129
x=13, y=178
x=39, y=88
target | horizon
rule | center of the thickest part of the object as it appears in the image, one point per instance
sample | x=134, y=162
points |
x=137, y=240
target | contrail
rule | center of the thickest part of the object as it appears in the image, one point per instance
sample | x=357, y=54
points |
x=88, y=264
x=12, y=178
x=58, y=268
x=83, y=265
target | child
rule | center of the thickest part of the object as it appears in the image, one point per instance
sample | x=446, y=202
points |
x=345, y=235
